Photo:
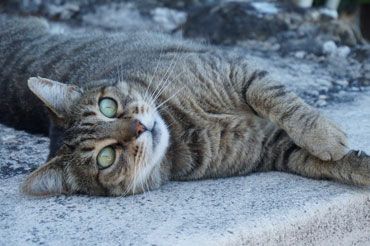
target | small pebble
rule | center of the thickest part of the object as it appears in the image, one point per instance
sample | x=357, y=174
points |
x=341, y=82
x=324, y=82
x=343, y=51
x=329, y=47
x=300, y=54
x=329, y=13
x=321, y=103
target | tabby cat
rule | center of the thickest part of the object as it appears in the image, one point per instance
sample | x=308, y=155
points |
x=127, y=112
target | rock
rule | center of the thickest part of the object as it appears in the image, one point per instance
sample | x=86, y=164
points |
x=169, y=19
x=323, y=82
x=303, y=3
x=341, y=82
x=343, y=51
x=331, y=13
x=361, y=54
x=229, y=22
x=30, y=6
x=300, y=54
x=323, y=97
x=341, y=32
x=321, y=103
x=293, y=45
x=265, y=7
x=63, y=12
x=329, y=48
x=118, y=17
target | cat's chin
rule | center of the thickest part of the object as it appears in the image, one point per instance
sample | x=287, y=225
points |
x=157, y=141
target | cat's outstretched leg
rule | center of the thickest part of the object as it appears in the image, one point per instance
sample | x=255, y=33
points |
x=306, y=126
x=282, y=154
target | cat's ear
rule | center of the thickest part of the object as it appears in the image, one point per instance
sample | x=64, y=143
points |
x=46, y=180
x=56, y=96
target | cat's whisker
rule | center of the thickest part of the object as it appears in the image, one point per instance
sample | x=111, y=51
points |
x=166, y=75
x=154, y=73
x=146, y=186
x=163, y=108
x=167, y=82
x=135, y=170
x=130, y=185
x=137, y=164
x=168, y=99
x=142, y=164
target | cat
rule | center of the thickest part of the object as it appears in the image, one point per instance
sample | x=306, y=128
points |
x=128, y=112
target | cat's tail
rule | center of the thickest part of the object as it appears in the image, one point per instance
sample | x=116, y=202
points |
x=19, y=108
x=282, y=154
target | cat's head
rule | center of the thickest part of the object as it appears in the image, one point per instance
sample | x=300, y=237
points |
x=113, y=141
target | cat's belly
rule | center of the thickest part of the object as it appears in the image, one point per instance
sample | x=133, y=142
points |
x=217, y=147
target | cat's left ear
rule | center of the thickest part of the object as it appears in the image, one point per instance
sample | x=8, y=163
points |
x=46, y=180
x=57, y=96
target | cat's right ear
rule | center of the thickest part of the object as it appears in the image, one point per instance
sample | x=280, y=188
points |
x=46, y=180
x=57, y=96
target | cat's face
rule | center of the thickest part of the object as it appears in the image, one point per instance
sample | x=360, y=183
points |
x=113, y=143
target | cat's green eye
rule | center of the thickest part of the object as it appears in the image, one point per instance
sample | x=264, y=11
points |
x=106, y=157
x=108, y=107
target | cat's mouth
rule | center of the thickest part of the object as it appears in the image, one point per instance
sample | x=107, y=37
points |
x=157, y=139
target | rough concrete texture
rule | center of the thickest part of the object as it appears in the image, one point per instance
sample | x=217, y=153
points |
x=259, y=209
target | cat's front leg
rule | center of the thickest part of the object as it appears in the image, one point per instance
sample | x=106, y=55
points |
x=305, y=125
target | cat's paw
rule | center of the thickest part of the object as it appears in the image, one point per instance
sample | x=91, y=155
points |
x=356, y=166
x=325, y=140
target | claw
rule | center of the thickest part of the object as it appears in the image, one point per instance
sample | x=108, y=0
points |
x=359, y=153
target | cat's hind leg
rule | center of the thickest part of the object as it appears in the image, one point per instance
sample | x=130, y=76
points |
x=280, y=153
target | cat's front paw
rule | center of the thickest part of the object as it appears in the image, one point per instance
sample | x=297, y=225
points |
x=325, y=140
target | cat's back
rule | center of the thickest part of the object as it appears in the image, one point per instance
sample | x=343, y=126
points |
x=29, y=47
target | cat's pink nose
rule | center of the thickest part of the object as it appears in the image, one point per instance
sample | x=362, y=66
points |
x=138, y=127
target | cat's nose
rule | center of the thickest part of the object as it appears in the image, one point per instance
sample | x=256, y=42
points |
x=137, y=127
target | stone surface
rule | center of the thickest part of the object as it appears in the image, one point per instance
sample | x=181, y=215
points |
x=229, y=22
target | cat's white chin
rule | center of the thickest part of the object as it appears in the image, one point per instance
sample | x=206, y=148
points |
x=156, y=141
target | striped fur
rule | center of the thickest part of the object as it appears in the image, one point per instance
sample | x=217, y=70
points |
x=224, y=117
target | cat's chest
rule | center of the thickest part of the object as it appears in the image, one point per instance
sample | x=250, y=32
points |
x=213, y=145
x=219, y=130
x=209, y=137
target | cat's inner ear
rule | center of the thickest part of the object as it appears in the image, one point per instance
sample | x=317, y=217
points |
x=46, y=180
x=57, y=96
